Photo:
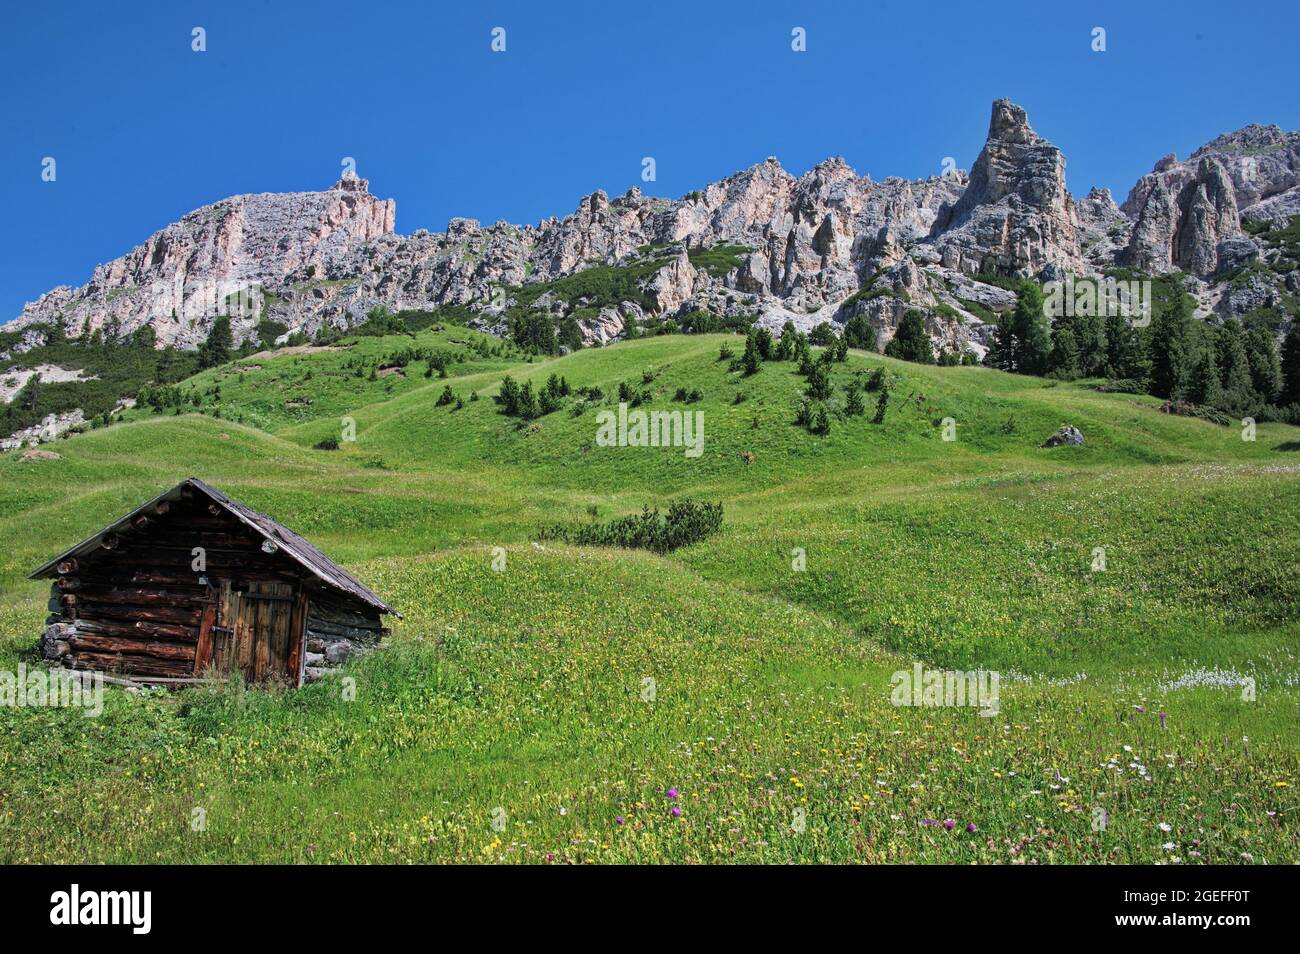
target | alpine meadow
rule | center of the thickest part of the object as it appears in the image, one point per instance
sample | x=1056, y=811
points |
x=805, y=517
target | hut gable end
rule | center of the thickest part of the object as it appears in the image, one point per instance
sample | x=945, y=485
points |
x=194, y=583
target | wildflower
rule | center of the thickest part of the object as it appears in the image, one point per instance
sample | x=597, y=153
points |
x=618, y=819
x=970, y=827
x=1165, y=826
x=677, y=811
x=672, y=792
x=1163, y=716
x=949, y=824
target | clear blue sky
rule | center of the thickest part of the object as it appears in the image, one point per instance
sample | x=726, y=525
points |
x=144, y=130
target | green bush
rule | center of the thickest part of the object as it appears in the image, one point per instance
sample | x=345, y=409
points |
x=822, y=335
x=859, y=333
x=686, y=522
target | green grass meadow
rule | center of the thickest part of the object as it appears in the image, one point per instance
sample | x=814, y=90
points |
x=541, y=711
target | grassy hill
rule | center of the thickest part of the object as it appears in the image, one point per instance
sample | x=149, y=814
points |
x=523, y=690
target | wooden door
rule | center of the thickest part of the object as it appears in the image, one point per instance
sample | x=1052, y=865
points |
x=257, y=632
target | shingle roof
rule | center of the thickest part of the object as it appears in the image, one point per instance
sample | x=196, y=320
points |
x=296, y=547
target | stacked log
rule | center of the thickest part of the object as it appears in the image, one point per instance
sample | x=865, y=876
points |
x=132, y=606
x=137, y=603
x=336, y=633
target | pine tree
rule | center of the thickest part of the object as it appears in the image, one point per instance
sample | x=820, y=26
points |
x=1032, y=334
x=819, y=383
x=751, y=359
x=1204, y=386
x=1169, y=348
x=881, y=406
x=215, y=349
x=1002, y=347
x=30, y=393
x=508, y=396
x=1291, y=365
x=821, y=335
x=786, y=345
x=1022, y=340
x=527, y=401
x=1090, y=336
x=853, y=405
x=1265, y=363
x=821, y=424
x=1124, y=354
x=1065, y=352
x=1239, y=395
x=858, y=333
x=910, y=341
x=799, y=350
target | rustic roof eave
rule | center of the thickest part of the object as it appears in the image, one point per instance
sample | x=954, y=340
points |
x=296, y=547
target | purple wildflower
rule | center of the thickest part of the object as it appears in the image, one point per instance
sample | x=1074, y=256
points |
x=672, y=792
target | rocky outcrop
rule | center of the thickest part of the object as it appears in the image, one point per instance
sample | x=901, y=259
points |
x=1103, y=229
x=1016, y=217
x=1066, y=436
x=15, y=379
x=813, y=245
x=1188, y=213
x=49, y=429
x=1187, y=231
x=1260, y=162
x=219, y=259
x=1207, y=216
x=673, y=285
x=1276, y=209
x=1151, y=244
x=314, y=259
x=607, y=326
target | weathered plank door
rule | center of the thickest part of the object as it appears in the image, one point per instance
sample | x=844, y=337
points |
x=258, y=633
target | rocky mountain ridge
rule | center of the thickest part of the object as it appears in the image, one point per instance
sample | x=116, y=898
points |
x=823, y=246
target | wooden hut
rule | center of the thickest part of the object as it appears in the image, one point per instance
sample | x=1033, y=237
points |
x=194, y=584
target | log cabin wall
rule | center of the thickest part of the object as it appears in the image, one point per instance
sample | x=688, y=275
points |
x=337, y=629
x=136, y=604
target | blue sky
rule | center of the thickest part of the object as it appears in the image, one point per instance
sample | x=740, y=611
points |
x=143, y=129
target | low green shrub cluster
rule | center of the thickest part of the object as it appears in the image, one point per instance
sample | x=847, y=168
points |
x=520, y=400
x=687, y=521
